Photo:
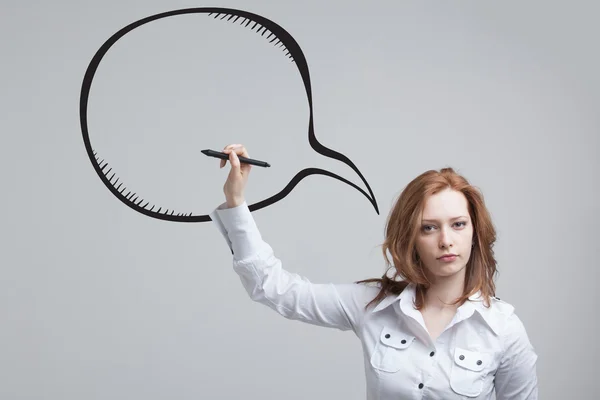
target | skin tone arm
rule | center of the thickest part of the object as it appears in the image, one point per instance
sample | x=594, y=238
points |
x=238, y=175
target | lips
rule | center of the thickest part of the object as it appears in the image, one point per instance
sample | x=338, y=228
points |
x=448, y=257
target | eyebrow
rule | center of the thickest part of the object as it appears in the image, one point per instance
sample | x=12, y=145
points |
x=435, y=220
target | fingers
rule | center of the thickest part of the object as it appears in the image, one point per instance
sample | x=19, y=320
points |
x=239, y=149
x=234, y=160
x=237, y=173
x=236, y=150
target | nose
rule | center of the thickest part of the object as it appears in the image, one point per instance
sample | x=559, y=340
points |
x=445, y=239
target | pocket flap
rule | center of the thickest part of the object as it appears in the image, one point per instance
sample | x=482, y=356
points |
x=395, y=339
x=471, y=360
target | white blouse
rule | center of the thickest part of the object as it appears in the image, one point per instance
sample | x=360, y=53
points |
x=481, y=350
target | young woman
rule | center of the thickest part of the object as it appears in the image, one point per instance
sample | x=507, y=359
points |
x=432, y=330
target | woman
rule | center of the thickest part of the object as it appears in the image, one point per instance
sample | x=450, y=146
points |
x=439, y=332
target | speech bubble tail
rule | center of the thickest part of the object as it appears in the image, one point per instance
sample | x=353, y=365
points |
x=327, y=152
x=303, y=174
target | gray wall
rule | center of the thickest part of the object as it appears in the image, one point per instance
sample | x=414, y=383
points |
x=98, y=301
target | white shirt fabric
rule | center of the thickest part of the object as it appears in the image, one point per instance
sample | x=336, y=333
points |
x=481, y=350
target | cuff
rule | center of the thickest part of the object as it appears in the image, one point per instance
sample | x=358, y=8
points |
x=238, y=227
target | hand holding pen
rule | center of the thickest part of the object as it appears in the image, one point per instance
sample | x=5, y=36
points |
x=238, y=175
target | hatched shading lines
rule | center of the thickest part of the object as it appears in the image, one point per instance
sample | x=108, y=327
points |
x=255, y=24
x=129, y=196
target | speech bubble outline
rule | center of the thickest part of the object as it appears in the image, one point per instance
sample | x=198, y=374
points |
x=293, y=51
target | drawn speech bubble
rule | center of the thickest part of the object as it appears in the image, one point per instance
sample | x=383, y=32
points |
x=273, y=33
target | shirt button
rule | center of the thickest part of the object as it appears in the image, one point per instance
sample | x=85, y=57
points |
x=387, y=335
x=479, y=362
x=431, y=354
x=461, y=357
x=420, y=386
x=403, y=341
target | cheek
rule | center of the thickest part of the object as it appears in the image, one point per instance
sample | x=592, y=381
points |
x=419, y=248
x=470, y=230
x=423, y=248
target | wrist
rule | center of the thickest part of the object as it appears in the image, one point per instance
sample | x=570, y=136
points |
x=234, y=202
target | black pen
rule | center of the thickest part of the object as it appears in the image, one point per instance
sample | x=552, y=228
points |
x=224, y=156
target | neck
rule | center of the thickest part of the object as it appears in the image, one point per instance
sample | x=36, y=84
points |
x=443, y=291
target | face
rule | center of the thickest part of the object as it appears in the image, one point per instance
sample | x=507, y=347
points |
x=445, y=228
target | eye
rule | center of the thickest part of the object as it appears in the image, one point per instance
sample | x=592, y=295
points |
x=461, y=222
x=426, y=228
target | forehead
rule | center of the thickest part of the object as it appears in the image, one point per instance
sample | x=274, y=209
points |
x=445, y=204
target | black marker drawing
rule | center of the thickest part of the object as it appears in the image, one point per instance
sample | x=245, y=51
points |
x=272, y=32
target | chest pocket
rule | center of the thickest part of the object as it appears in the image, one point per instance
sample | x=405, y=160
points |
x=468, y=371
x=390, y=351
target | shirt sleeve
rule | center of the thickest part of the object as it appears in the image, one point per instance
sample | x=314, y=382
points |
x=291, y=295
x=516, y=378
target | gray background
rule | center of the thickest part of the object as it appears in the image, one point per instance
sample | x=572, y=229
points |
x=98, y=301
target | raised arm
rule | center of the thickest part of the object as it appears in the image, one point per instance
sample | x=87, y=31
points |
x=293, y=296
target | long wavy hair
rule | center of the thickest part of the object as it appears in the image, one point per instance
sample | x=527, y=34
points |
x=402, y=228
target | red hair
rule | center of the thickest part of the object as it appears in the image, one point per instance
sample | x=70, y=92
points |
x=402, y=228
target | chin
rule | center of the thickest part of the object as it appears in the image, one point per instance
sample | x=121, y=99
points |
x=447, y=271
